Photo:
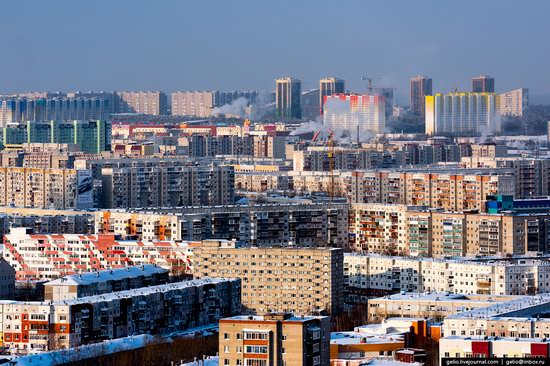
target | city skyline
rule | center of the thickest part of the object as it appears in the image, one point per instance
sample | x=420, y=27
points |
x=249, y=53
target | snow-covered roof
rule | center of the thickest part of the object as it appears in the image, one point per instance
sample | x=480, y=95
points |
x=107, y=275
x=143, y=291
x=346, y=338
x=505, y=309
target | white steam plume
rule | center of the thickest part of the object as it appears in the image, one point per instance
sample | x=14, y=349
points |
x=236, y=108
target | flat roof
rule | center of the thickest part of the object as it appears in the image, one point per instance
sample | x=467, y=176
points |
x=107, y=275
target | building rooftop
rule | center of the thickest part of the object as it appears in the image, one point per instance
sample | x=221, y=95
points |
x=107, y=275
x=506, y=310
x=446, y=296
x=346, y=338
x=272, y=317
x=143, y=291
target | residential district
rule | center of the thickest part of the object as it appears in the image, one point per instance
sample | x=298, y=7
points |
x=289, y=227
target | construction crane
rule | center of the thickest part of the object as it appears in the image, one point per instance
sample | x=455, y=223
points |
x=369, y=80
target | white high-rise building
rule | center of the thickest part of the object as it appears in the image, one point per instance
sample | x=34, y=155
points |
x=514, y=102
x=462, y=114
x=347, y=112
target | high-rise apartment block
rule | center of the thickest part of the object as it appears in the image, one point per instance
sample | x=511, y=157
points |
x=356, y=114
x=288, y=95
x=46, y=188
x=48, y=108
x=514, y=103
x=34, y=327
x=298, y=280
x=462, y=114
x=374, y=274
x=274, y=339
x=92, y=136
x=483, y=84
x=420, y=87
x=69, y=254
x=311, y=108
x=103, y=282
x=262, y=225
x=201, y=103
x=141, y=102
x=328, y=87
x=174, y=185
x=419, y=232
x=193, y=103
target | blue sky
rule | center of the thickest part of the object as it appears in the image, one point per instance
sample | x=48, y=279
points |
x=245, y=44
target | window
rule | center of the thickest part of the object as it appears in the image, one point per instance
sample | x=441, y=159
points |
x=253, y=362
x=226, y=349
x=226, y=361
x=316, y=334
x=317, y=360
x=226, y=336
x=258, y=335
x=256, y=349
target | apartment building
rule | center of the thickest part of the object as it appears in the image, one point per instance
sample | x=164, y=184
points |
x=517, y=318
x=259, y=145
x=377, y=228
x=274, y=339
x=532, y=175
x=21, y=109
x=44, y=188
x=420, y=232
x=7, y=280
x=163, y=186
x=262, y=182
x=284, y=224
x=451, y=191
x=105, y=281
x=493, y=347
x=297, y=280
x=48, y=257
x=462, y=114
x=90, y=136
x=515, y=102
x=141, y=102
x=46, y=223
x=356, y=114
x=33, y=327
x=374, y=274
x=434, y=305
x=193, y=103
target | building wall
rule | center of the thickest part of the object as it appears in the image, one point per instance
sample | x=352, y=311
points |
x=196, y=103
x=32, y=327
x=462, y=114
x=291, y=341
x=141, y=102
x=298, y=280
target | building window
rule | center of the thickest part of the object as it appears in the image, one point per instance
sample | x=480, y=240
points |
x=254, y=336
x=226, y=336
x=257, y=349
x=317, y=360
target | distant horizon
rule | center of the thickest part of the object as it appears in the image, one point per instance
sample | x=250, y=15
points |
x=401, y=100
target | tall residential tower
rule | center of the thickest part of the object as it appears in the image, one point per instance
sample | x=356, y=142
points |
x=483, y=84
x=288, y=96
x=328, y=87
x=462, y=114
x=420, y=87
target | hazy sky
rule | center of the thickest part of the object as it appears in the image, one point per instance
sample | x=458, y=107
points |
x=245, y=44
